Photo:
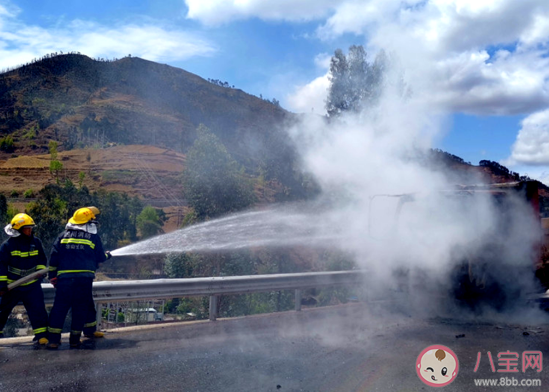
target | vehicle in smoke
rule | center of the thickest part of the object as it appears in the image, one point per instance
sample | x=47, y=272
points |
x=497, y=261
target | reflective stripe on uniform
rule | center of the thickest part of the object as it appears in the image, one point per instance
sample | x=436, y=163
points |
x=88, y=325
x=39, y=330
x=3, y=278
x=54, y=330
x=22, y=273
x=73, y=332
x=73, y=271
x=24, y=254
x=52, y=268
x=78, y=241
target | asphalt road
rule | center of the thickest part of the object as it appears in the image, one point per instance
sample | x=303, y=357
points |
x=345, y=348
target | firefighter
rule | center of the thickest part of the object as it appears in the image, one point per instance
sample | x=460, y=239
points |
x=74, y=258
x=90, y=328
x=21, y=255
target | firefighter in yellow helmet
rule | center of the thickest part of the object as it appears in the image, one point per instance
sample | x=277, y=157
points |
x=74, y=258
x=21, y=255
x=90, y=327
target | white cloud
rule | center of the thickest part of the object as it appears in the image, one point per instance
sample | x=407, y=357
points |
x=469, y=56
x=310, y=97
x=445, y=25
x=504, y=84
x=532, y=144
x=361, y=17
x=322, y=60
x=477, y=57
x=538, y=31
x=214, y=12
x=20, y=43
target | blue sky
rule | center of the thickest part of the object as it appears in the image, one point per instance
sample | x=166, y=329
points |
x=482, y=65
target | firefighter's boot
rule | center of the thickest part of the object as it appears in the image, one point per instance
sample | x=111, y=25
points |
x=95, y=335
x=74, y=339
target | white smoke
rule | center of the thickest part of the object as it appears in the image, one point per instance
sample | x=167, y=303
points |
x=364, y=160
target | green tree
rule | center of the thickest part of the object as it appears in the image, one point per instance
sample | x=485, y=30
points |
x=56, y=204
x=52, y=147
x=55, y=168
x=81, y=177
x=338, y=100
x=3, y=208
x=134, y=207
x=49, y=213
x=149, y=222
x=182, y=265
x=6, y=144
x=118, y=217
x=11, y=212
x=354, y=82
x=212, y=183
x=55, y=165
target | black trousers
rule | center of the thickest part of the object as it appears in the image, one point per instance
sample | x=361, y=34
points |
x=75, y=294
x=33, y=300
x=91, y=323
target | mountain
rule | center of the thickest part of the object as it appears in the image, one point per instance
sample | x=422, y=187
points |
x=81, y=102
x=86, y=104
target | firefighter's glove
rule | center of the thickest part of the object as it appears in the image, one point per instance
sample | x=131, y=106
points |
x=108, y=255
x=53, y=281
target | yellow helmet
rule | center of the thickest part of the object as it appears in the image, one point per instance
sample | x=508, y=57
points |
x=21, y=220
x=81, y=216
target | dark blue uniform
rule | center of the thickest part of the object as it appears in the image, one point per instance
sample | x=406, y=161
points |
x=74, y=259
x=19, y=257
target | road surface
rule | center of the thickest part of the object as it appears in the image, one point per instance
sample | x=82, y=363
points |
x=344, y=348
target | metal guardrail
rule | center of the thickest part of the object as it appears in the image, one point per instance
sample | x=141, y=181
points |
x=134, y=290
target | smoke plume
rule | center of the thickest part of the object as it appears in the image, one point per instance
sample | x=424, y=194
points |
x=402, y=216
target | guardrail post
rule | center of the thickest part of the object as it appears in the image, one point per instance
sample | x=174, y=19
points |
x=298, y=294
x=98, y=315
x=213, y=307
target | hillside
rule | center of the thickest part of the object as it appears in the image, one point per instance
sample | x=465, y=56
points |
x=152, y=173
x=127, y=125
x=82, y=102
x=145, y=171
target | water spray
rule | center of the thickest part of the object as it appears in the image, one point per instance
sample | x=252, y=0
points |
x=298, y=224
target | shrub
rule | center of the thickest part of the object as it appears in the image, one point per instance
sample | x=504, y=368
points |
x=12, y=211
x=6, y=143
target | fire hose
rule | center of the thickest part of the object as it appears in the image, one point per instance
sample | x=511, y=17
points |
x=35, y=275
x=28, y=278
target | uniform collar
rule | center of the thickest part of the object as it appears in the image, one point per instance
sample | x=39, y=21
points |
x=87, y=227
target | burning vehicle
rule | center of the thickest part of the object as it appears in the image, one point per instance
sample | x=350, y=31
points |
x=503, y=260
